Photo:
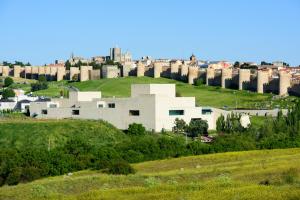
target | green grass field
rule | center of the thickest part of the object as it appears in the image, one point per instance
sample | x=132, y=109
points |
x=252, y=175
x=25, y=132
x=205, y=96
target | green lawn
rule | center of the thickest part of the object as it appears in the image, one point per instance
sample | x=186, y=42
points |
x=252, y=175
x=205, y=96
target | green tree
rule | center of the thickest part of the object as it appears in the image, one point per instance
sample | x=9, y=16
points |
x=8, y=93
x=180, y=126
x=8, y=81
x=136, y=129
x=197, y=127
x=221, y=124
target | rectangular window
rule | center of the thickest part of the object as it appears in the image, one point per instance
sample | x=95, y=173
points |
x=134, y=113
x=176, y=112
x=52, y=106
x=111, y=105
x=44, y=112
x=206, y=111
x=75, y=112
x=100, y=106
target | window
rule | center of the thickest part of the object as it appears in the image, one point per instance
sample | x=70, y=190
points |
x=134, y=113
x=52, y=106
x=75, y=112
x=206, y=111
x=100, y=106
x=44, y=112
x=176, y=112
x=111, y=105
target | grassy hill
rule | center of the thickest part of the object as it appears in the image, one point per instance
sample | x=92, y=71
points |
x=26, y=132
x=252, y=175
x=205, y=95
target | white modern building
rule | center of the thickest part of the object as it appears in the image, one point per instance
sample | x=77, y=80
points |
x=153, y=105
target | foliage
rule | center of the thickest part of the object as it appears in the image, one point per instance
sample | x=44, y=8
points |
x=200, y=82
x=121, y=167
x=8, y=81
x=8, y=93
x=180, y=126
x=136, y=129
x=197, y=127
x=42, y=84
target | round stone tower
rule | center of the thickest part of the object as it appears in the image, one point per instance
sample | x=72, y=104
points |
x=183, y=71
x=193, y=74
x=175, y=69
x=140, y=70
x=244, y=76
x=210, y=75
x=284, y=82
x=226, y=74
x=262, y=79
x=157, y=70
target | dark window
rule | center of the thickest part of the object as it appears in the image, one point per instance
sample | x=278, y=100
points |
x=44, y=112
x=53, y=106
x=134, y=112
x=111, y=105
x=75, y=112
x=100, y=106
x=206, y=111
x=176, y=112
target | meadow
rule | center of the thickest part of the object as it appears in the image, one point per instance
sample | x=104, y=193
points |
x=205, y=95
x=252, y=175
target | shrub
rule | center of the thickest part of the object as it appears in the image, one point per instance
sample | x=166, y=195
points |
x=199, y=82
x=8, y=93
x=8, y=81
x=121, y=167
x=136, y=129
x=14, y=176
x=197, y=127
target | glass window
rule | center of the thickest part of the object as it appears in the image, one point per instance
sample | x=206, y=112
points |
x=111, y=105
x=75, y=112
x=134, y=112
x=44, y=112
x=52, y=106
x=100, y=106
x=206, y=111
x=176, y=112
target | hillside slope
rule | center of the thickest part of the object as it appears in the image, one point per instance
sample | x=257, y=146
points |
x=266, y=174
x=43, y=134
x=205, y=95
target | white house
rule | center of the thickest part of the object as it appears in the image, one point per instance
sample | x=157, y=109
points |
x=153, y=105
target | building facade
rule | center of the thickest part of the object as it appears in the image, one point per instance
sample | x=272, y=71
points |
x=153, y=105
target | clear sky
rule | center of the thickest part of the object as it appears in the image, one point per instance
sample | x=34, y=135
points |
x=40, y=31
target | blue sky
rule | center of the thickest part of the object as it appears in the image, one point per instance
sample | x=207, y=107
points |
x=251, y=30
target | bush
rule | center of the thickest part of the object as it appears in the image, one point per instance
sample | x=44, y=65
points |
x=8, y=81
x=136, y=129
x=8, y=93
x=199, y=82
x=14, y=176
x=121, y=167
x=39, y=86
x=197, y=127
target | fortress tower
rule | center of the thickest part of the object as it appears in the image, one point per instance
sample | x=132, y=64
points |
x=193, y=74
x=140, y=70
x=210, y=75
x=262, y=79
x=284, y=83
x=226, y=74
x=244, y=77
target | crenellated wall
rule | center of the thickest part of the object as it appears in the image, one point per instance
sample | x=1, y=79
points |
x=261, y=81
